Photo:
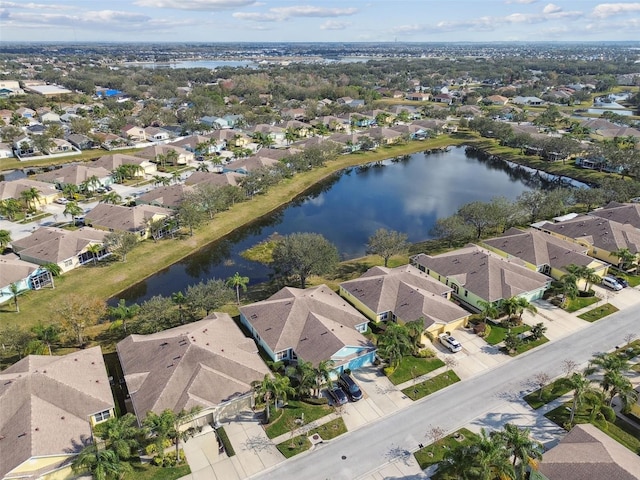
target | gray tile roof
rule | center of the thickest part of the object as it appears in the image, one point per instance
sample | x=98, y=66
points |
x=111, y=162
x=202, y=364
x=586, y=453
x=539, y=248
x=46, y=403
x=13, y=188
x=170, y=196
x=53, y=245
x=484, y=273
x=121, y=218
x=599, y=232
x=625, y=213
x=315, y=322
x=218, y=179
x=407, y=292
x=73, y=174
x=12, y=270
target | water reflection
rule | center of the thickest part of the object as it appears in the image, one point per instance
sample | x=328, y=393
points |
x=405, y=195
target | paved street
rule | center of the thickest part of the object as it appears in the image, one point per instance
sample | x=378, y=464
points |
x=494, y=395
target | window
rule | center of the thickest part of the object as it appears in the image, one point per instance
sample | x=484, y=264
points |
x=455, y=288
x=466, y=293
x=102, y=416
x=383, y=316
x=68, y=263
x=284, y=354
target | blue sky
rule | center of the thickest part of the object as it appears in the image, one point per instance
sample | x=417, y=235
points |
x=318, y=20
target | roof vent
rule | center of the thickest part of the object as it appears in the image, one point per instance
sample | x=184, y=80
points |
x=164, y=344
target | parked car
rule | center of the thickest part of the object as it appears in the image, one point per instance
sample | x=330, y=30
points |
x=611, y=282
x=451, y=343
x=338, y=397
x=62, y=201
x=350, y=386
x=623, y=282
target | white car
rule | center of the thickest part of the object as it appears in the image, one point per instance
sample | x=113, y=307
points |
x=451, y=343
x=62, y=201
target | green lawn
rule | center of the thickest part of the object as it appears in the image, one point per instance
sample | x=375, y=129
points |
x=573, y=305
x=549, y=393
x=432, y=454
x=301, y=443
x=530, y=344
x=412, y=367
x=146, y=471
x=287, y=416
x=598, y=312
x=620, y=431
x=499, y=332
x=434, y=384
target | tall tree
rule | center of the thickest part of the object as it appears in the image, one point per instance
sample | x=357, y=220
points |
x=323, y=374
x=304, y=254
x=47, y=334
x=580, y=385
x=15, y=290
x=208, y=296
x=120, y=434
x=31, y=197
x=123, y=312
x=387, y=243
x=522, y=447
x=73, y=210
x=121, y=243
x=238, y=282
x=394, y=343
x=77, y=312
x=101, y=464
x=5, y=239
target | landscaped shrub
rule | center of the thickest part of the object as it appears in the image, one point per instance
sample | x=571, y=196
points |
x=169, y=460
x=224, y=438
x=317, y=401
x=388, y=371
x=152, y=448
x=588, y=293
x=426, y=353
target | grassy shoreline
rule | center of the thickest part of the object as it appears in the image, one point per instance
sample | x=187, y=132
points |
x=149, y=258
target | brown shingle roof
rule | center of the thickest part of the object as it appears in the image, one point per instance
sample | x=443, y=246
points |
x=46, y=403
x=53, y=245
x=73, y=174
x=120, y=218
x=484, y=273
x=13, y=188
x=586, y=453
x=218, y=179
x=202, y=364
x=170, y=196
x=625, y=213
x=316, y=322
x=111, y=162
x=12, y=270
x=407, y=292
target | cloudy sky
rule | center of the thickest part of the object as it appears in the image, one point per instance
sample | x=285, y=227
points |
x=318, y=20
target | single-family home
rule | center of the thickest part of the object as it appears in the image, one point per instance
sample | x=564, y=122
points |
x=24, y=275
x=25, y=112
x=23, y=146
x=301, y=129
x=601, y=236
x=118, y=218
x=80, y=174
x=113, y=161
x=216, y=179
x=200, y=145
x=531, y=101
x=231, y=138
x=161, y=153
x=384, y=135
x=50, y=117
x=313, y=324
x=544, y=253
x=168, y=196
x=349, y=142
x=50, y=404
x=10, y=88
x=82, y=142
x=496, y=100
x=418, y=96
x=250, y=164
x=432, y=126
x=332, y=123
x=155, y=134
x=133, y=133
x=625, y=213
x=414, y=132
x=110, y=141
x=586, y=452
x=14, y=188
x=404, y=294
x=477, y=275
x=445, y=98
x=68, y=249
x=59, y=145
x=208, y=364
x=276, y=134
x=293, y=113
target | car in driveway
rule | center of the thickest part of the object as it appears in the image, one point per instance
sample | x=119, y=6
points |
x=337, y=395
x=623, y=282
x=62, y=201
x=611, y=282
x=350, y=386
x=449, y=342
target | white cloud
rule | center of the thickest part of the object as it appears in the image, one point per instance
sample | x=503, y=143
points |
x=333, y=25
x=34, y=6
x=551, y=8
x=279, y=14
x=608, y=9
x=195, y=4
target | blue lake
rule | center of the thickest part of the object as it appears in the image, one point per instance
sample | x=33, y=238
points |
x=407, y=196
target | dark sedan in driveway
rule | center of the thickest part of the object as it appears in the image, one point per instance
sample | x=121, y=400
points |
x=338, y=397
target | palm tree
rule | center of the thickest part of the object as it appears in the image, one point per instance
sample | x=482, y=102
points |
x=94, y=249
x=172, y=157
x=180, y=300
x=581, y=385
x=567, y=287
x=102, y=464
x=394, y=344
x=521, y=447
x=69, y=190
x=238, y=282
x=265, y=390
x=180, y=418
x=414, y=330
x=523, y=304
x=203, y=167
x=614, y=383
x=323, y=374
x=489, y=310
x=120, y=434
x=306, y=378
x=47, y=334
x=123, y=312
x=281, y=389
x=31, y=197
x=584, y=273
x=10, y=208
x=597, y=401
x=458, y=463
x=491, y=457
x=5, y=239
x=290, y=135
x=510, y=306
x=162, y=427
x=627, y=258
x=112, y=198
x=15, y=291
x=72, y=209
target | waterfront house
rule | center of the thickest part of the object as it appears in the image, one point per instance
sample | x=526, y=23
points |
x=314, y=325
x=50, y=405
x=215, y=179
x=24, y=275
x=209, y=364
x=404, y=294
x=118, y=218
x=477, y=275
x=168, y=196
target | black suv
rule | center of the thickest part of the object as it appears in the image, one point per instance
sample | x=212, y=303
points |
x=349, y=385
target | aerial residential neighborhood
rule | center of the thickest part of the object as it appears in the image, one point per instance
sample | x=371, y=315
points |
x=292, y=268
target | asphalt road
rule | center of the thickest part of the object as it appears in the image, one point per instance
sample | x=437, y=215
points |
x=395, y=436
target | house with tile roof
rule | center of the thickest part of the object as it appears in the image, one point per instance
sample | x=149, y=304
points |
x=215, y=179
x=587, y=453
x=49, y=406
x=154, y=152
x=478, y=275
x=600, y=235
x=544, y=253
x=250, y=164
x=168, y=196
x=404, y=294
x=313, y=324
x=118, y=218
x=209, y=364
x=625, y=213
x=68, y=249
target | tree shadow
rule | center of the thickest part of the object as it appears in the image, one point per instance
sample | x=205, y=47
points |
x=396, y=452
x=349, y=270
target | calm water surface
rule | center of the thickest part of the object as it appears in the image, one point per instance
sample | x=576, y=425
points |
x=407, y=196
